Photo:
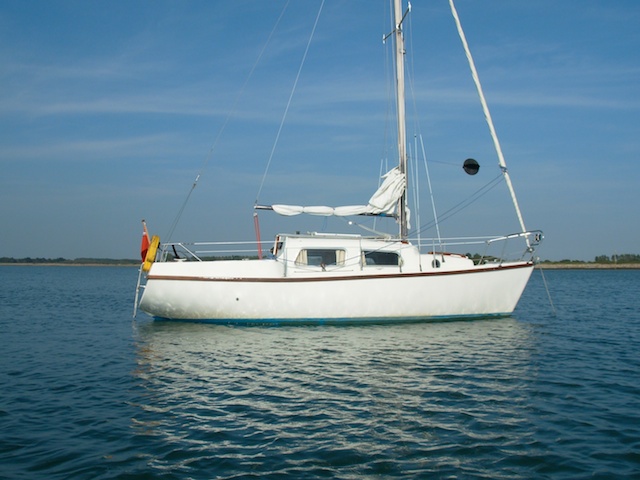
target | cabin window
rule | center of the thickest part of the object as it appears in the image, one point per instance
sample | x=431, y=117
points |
x=320, y=257
x=381, y=258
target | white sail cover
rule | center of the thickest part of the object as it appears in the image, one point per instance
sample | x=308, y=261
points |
x=383, y=201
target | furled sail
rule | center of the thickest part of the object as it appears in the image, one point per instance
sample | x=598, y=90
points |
x=383, y=201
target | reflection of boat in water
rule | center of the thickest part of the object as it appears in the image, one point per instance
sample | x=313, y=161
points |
x=200, y=352
x=182, y=360
x=274, y=398
x=338, y=277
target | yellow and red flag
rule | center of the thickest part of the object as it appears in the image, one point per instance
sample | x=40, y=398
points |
x=144, y=246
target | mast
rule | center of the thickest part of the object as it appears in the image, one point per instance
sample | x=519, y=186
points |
x=402, y=130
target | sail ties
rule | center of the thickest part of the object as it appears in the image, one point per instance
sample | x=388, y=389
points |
x=383, y=202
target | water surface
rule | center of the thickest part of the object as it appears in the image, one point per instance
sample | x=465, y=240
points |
x=89, y=393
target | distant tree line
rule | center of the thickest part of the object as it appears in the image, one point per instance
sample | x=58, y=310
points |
x=65, y=261
x=623, y=258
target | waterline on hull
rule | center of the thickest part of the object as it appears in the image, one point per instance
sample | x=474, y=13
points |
x=277, y=322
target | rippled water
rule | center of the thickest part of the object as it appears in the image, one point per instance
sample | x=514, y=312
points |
x=87, y=393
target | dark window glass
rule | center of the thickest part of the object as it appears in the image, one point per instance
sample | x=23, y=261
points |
x=381, y=258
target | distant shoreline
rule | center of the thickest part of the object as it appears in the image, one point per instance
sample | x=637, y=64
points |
x=61, y=264
x=588, y=266
x=542, y=266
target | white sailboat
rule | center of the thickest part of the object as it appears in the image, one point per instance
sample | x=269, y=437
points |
x=319, y=277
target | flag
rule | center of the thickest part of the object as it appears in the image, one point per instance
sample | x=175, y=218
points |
x=144, y=246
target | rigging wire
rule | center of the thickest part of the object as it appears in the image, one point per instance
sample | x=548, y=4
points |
x=413, y=170
x=546, y=287
x=487, y=115
x=231, y=113
x=387, y=56
x=504, y=175
x=286, y=110
x=466, y=202
x=433, y=201
x=418, y=129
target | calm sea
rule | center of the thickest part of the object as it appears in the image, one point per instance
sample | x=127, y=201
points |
x=86, y=392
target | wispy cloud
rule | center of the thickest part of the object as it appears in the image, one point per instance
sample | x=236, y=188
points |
x=85, y=149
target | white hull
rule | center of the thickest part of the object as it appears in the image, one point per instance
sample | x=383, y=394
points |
x=183, y=291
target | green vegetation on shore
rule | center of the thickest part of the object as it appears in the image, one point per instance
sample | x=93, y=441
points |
x=64, y=261
x=600, y=261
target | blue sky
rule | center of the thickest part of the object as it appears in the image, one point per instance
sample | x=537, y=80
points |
x=109, y=110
